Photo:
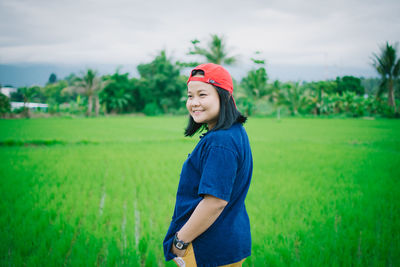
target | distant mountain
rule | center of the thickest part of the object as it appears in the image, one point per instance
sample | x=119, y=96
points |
x=316, y=73
x=38, y=74
x=18, y=75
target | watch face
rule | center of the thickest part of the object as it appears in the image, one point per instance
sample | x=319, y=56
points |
x=179, y=245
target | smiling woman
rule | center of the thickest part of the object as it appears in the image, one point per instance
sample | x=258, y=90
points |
x=210, y=105
x=210, y=225
x=203, y=103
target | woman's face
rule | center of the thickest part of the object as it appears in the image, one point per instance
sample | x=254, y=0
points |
x=203, y=103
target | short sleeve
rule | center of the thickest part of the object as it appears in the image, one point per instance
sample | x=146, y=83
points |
x=218, y=173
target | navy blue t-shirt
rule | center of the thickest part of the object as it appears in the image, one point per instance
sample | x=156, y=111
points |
x=220, y=165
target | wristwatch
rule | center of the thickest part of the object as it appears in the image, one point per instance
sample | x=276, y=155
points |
x=179, y=244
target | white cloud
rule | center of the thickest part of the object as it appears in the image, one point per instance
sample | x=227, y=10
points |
x=288, y=32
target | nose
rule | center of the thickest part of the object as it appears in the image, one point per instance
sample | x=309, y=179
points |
x=195, y=101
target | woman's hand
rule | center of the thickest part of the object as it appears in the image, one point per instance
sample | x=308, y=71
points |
x=205, y=214
x=178, y=252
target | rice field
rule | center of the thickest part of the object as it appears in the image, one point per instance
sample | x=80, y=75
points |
x=101, y=191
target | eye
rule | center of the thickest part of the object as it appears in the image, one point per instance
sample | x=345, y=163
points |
x=189, y=96
x=203, y=94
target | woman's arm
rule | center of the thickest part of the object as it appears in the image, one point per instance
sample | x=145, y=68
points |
x=205, y=214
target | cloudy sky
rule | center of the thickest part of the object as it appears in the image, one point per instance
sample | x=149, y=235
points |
x=338, y=33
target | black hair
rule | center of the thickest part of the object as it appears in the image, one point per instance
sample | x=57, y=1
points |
x=228, y=113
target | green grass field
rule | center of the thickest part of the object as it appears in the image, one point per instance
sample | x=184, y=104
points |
x=101, y=191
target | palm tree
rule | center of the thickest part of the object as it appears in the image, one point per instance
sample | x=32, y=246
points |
x=118, y=100
x=292, y=95
x=90, y=85
x=388, y=66
x=255, y=83
x=215, y=53
x=274, y=96
x=28, y=94
x=315, y=94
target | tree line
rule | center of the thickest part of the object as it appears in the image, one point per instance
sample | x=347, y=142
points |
x=161, y=89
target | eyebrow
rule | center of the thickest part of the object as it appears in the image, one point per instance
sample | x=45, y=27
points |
x=200, y=90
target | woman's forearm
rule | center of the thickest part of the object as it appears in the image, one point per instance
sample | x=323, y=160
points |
x=205, y=214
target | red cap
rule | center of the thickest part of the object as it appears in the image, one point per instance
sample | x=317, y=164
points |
x=215, y=75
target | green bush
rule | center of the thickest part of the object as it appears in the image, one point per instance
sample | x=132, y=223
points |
x=152, y=109
x=5, y=106
x=18, y=110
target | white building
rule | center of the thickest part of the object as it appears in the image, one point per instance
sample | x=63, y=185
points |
x=16, y=105
x=7, y=91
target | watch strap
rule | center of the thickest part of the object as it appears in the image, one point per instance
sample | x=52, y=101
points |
x=179, y=244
